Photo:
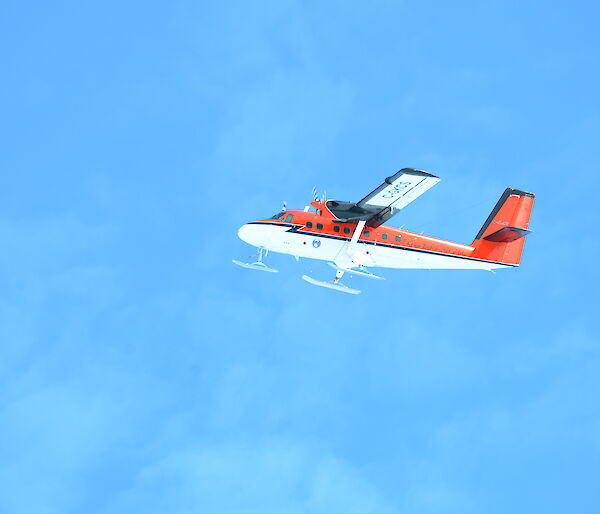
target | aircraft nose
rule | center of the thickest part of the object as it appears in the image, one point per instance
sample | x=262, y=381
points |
x=247, y=234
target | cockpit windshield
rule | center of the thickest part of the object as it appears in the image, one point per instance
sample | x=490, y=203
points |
x=278, y=215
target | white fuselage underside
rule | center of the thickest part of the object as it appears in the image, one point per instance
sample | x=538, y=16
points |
x=278, y=238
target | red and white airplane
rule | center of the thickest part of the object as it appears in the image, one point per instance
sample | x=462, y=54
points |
x=352, y=237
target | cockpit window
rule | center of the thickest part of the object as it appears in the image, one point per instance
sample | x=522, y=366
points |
x=289, y=218
x=278, y=215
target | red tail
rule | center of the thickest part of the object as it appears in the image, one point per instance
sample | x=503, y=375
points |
x=502, y=236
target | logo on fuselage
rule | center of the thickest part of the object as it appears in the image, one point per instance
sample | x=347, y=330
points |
x=316, y=243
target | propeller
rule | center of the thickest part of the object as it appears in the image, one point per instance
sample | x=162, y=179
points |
x=315, y=194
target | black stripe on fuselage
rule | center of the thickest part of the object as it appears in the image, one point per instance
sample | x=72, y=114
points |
x=295, y=229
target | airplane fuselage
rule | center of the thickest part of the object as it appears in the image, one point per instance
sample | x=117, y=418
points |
x=315, y=236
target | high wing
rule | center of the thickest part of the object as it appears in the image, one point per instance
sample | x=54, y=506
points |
x=381, y=204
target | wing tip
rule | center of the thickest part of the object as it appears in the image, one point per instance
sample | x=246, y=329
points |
x=415, y=171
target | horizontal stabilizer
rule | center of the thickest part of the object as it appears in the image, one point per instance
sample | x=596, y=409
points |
x=507, y=234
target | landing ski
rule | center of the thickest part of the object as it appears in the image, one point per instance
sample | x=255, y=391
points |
x=337, y=286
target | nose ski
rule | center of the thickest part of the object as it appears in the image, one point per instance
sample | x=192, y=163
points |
x=258, y=265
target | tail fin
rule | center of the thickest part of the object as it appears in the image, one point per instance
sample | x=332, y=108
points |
x=502, y=236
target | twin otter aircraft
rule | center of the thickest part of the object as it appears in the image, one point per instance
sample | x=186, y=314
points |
x=352, y=237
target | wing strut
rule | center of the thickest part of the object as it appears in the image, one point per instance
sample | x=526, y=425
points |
x=357, y=232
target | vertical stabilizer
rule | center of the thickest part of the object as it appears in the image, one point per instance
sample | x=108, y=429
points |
x=502, y=236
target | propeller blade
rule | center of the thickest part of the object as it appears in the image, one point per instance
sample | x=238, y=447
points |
x=315, y=194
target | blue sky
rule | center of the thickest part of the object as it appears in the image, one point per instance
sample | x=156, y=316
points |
x=143, y=372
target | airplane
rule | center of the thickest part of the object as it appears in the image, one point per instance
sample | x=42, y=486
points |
x=352, y=237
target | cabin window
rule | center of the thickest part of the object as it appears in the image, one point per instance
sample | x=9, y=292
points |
x=309, y=224
x=383, y=236
x=346, y=230
x=289, y=218
x=320, y=226
x=367, y=233
x=336, y=228
x=398, y=239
